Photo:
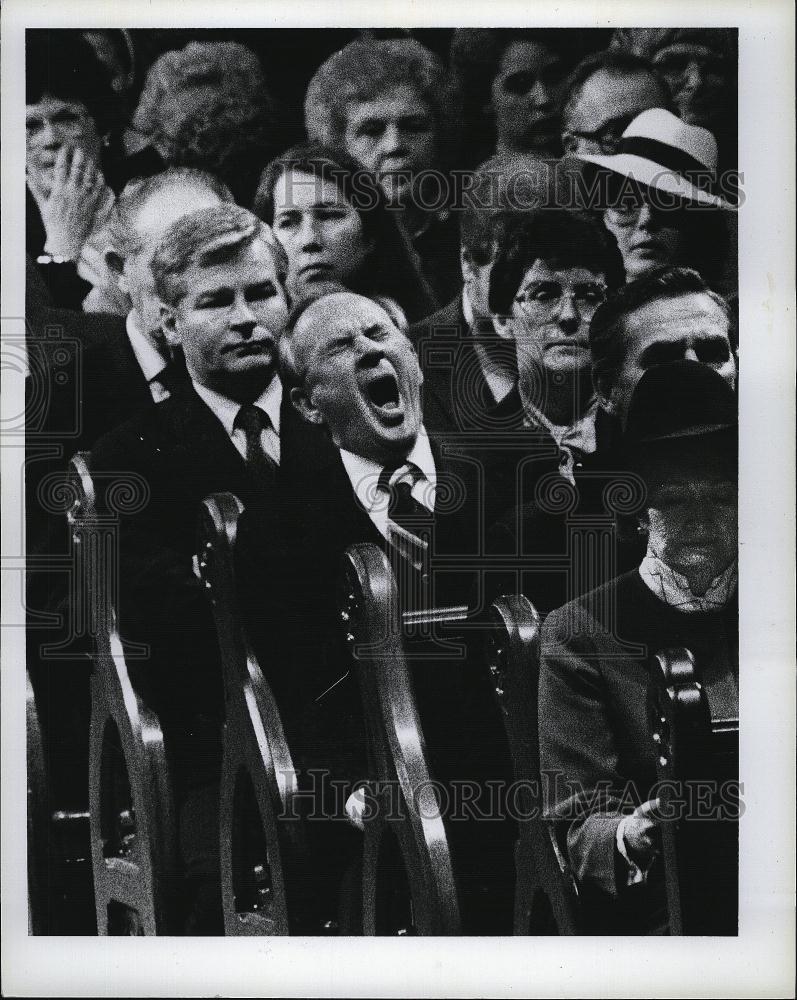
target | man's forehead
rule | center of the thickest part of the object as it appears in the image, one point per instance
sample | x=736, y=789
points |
x=51, y=105
x=679, y=313
x=342, y=313
x=251, y=264
x=606, y=96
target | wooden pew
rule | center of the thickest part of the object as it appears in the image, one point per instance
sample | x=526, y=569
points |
x=408, y=878
x=546, y=897
x=700, y=854
x=130, y=799
x=265, y=865
x=60, y=889
x=38, y=903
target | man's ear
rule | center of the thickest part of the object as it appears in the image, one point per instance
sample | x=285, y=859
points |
x=308, y=412
x=169, y=325
x=569, y=142
x=604, y=390
x=116, y=265
x=466, y=264
x=503, y=327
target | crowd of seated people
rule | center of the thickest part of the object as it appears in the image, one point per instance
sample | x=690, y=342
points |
x=475, y=293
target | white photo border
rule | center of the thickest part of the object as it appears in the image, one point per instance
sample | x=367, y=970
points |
x=760, y=962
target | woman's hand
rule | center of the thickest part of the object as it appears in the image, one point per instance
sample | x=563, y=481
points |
x=68, y=211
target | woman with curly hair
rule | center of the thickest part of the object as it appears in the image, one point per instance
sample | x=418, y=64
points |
x=389, y=103
x=332, y=218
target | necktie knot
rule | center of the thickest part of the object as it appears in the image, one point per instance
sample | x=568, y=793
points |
x=252, y=420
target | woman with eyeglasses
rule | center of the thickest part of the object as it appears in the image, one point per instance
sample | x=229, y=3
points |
x=663, y=201
x=549, y=278
x=331, y=216
x=545, y=286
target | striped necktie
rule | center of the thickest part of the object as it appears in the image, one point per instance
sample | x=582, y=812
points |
x=262, y=467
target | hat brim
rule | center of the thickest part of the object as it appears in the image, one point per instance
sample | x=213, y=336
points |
x=653, y=175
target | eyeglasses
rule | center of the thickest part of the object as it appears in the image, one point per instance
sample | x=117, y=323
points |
x=608, y=136
x=548, y=295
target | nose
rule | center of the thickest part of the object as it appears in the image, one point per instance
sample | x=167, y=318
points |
x=392, y=140
x=370, y=353
x=243, y=320
x=568, y=317
x=540, y=94
x=309, y=234
x=645, y=219
x=48, y=135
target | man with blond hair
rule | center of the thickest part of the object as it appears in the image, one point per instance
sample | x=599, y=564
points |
x=220, y=275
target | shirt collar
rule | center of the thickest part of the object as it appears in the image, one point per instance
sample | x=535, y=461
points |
x=580, y=435
x=364, y=474
x=270, y=400
x=149, y=358
x=673, y=588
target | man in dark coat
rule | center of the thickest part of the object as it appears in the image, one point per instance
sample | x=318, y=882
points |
x=351, y=371
x=220, y=274
x=595, y=743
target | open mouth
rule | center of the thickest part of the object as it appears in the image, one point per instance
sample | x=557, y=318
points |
x=384, y=392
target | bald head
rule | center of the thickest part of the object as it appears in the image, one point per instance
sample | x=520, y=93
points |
x=351, y=369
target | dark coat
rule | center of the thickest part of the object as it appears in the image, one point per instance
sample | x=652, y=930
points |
x=594, y=728
x=325, y=519
x=182, y=453
x=452, y=370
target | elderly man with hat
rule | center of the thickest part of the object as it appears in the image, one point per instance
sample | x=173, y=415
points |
x=681, y=441
x=663, y=200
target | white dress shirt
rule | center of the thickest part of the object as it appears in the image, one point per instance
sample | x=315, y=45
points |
x=149, y=358
x=364, y=477
x=227, y=410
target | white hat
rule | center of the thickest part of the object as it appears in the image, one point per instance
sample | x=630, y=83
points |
x=659, y=150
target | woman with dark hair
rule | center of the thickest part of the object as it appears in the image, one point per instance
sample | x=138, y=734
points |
x=663, y=200
x=511, y=83
x=332, y=218
x=69, y=118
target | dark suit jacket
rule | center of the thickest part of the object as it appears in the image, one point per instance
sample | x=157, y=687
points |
x=325, y=518
x=182, y=453
x=84, y=380
x=452, y=370
x=594, y=732
x=566, y=535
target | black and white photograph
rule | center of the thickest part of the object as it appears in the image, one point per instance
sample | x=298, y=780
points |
x=398, y=500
